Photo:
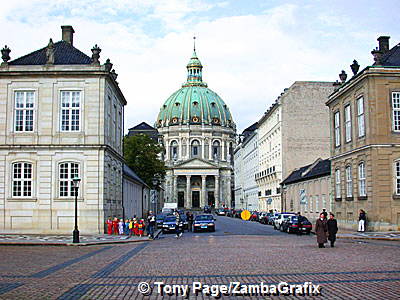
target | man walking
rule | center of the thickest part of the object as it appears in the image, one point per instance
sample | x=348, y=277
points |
x=151, y=223
x=332, y=229
x=190, y=221
x=177, y=225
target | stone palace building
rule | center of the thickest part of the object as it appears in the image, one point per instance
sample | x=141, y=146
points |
x=198, y=133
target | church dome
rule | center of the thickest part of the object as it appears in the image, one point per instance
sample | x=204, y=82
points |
x=194, y=103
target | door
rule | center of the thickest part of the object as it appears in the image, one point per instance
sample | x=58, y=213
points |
x=195, y=199
x=211, y=199
x=181, y=199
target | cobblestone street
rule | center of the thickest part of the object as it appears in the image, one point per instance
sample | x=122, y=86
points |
x=352, y=270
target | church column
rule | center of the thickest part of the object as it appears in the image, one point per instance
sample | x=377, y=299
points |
x=227, y=200
x=188, y=146
x=216, y=191
x=166, y=150
x=188, y=203
x=203, y=149
x=203, y=191
x=180, y=149
x=223, y=144
x=175, y=189
x=210, y=157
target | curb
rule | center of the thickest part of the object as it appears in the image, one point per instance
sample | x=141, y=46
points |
x=11, y=243
x=368, y=238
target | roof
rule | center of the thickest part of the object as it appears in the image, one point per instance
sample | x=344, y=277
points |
x=319, y=168
x=142, y=126
x=391, y=58
x=130, y=173
x=64, y=54
x=251, y=128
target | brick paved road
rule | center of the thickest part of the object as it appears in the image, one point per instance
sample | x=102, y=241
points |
x=352, y=270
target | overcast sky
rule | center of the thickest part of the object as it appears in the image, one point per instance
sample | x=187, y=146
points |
x=250, y=49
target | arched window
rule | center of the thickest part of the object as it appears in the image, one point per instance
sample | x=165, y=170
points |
x=195, y=148
x=216, y=150
x=67, y=171
x=174, y=150
x=22, y=179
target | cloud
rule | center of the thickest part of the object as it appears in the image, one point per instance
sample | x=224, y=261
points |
x=248, y=58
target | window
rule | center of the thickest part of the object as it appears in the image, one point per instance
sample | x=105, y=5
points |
x=360, y=117
x=22, y=179
x=174, y=150
x=70, y=110
x=396, y=111
x=316, y=204
x=216, y=149
x=24, y=106
x=347, y=121
x=337, y=183
x=361, y=180
x=337, y=129
x=67, y=171
x=349, y=182
x=311, y=204
x=397, y=165
x=195, y=148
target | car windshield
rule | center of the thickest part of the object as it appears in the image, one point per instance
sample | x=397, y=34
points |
x=160, y=217
x=204, y=217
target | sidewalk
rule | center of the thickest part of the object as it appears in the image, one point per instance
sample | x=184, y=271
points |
x=66, y=240
x=386, y=236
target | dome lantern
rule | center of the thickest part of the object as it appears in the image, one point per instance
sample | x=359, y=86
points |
x=194, y=68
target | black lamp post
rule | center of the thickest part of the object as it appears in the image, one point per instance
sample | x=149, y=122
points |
x=155, y=185
x=75, y=233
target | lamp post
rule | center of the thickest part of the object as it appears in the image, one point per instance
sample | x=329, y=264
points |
x=75, y=234
x=154, y=199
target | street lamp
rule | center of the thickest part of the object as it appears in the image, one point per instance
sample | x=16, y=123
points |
x=75, y=235
x=154, y=196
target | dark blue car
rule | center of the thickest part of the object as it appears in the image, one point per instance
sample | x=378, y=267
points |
x=204, y=222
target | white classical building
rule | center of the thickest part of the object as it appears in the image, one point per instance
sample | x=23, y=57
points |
x=246, y=168
x=61, y=116
x=293, y=132
x=198, y=133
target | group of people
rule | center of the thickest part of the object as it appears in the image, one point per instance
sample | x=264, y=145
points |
x=179, y=223
x=132, y=227
x=326, y=229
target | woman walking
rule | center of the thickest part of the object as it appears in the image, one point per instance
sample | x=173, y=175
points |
x=321, y=229
x=332, y=229
x=361, y=221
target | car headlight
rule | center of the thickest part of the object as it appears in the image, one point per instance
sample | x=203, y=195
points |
x=210, y=224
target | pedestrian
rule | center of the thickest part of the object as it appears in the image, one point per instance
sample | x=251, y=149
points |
x=131, y=227
x=135, y=227
x=121, y=226
x=320, y=230
x=325, y=213
x=115, y=225
x=141, y=227
x=299, y=224
x=332, y=229
x=177, y=225
x=126, y=228
x=190, y=221
x=151, y=223
x=362, y=218
x=109, y=225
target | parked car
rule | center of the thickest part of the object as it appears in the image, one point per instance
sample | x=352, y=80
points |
x=207, y=209
x=291, y=224
x=264, y=217
x=159, y=220
x=220, y=212
x=185, y=222
x=278, y=221
x=238, y=213
x=204, y=222
x=271, y=220
x=169, y=224
x=254, y=216
x=231, y=213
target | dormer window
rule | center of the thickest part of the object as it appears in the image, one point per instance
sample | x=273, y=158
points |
x=174, y=120
x=195, y=103
x=177, y=104
x=215, y=120
x=195, y=119
x=213, y=104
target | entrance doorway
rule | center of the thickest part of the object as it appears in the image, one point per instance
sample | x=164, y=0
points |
x=181, y=199
x=195, y=199
x=211, y=199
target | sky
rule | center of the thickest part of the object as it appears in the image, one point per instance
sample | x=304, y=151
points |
x=250, y=49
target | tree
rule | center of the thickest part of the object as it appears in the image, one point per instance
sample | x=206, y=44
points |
x=141, y=154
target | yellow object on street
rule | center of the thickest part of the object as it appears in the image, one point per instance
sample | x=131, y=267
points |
x=245, y=215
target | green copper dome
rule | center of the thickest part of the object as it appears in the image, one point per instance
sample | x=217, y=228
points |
x=194, y=103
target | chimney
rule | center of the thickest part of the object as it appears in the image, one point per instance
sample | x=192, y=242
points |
x=384, y=44
x=68, y=34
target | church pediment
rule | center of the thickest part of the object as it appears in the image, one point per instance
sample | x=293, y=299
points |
x=195, y=163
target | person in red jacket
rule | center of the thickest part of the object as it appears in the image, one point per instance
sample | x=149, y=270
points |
x=109, y=223
x=115, y=226
x=141, y=228
x=135, y=227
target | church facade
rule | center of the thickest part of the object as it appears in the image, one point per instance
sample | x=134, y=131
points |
x=198, y=133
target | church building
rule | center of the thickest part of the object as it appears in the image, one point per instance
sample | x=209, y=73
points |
x=198, y=133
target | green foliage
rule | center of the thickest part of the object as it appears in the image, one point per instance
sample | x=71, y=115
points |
x=141, y=155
